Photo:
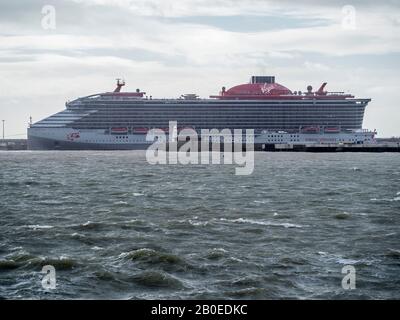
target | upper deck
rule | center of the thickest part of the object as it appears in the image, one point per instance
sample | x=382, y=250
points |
x=260, y=104
x=260, y=88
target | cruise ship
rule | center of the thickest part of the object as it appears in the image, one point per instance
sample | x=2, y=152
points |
x=121, y=120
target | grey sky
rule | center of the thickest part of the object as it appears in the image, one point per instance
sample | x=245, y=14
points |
x=171, y=47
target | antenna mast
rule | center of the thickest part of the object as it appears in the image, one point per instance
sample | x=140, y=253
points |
x=120, y=84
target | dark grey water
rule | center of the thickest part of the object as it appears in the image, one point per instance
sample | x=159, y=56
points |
x=116, y=227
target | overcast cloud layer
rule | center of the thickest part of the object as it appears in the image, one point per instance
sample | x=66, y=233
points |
x=171, y=47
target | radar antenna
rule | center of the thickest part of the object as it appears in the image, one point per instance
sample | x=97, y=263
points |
x=120, y=84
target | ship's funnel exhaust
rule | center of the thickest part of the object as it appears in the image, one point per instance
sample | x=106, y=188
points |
x=321, y=89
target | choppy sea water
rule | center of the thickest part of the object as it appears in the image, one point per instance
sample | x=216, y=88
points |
x=115, y=227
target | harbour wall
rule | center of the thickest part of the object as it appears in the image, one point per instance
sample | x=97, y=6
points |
x=13, y=144
x=22, y=144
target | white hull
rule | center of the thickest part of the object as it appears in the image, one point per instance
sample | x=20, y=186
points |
x=72, y=139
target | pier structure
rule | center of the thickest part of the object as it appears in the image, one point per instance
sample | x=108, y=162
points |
x=377, y=147
x=13, y=144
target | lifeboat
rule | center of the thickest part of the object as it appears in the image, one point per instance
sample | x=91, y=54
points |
x=310, y=129
x=119, y=130
x=140, y=130
x=331, y=130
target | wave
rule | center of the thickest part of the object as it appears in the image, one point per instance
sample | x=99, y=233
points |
x=121, y=203
x=234, y=260
x=62, y=263
x=262, y=201
x=26, y=260
x=151, y=279
x=354, y=262
x=263, y=223
x=348, y=261
x=192, y=222
x=20, y=183
x=105, y=275
x=37, y=226
x=342, y=216
x=51, y=202
x=198, y=223
x=386, y=199
x=21, y=256
x=154, y=258
x=157, y=279
x=393, y=253
x=89, y=225
x=248, y=281
x=96, y=248
x=134, y=224
x=8, y=265
x=293, y=261
x=150, y=254
x=216, y=253
x=249, y=293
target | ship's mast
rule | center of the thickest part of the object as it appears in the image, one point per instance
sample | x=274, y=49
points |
x=120, y=84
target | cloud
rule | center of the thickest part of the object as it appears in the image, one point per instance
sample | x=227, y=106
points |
x=179, y=8
x=172, y=47
x=316, y=66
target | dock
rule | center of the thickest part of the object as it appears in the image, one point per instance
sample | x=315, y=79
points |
x=13, y=144
x=22, y=144
x=379, y=147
